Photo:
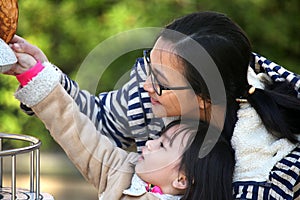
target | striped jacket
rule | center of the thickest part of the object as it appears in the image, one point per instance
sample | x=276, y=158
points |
x=122, y=115
x=125, y=117
x=283, y=183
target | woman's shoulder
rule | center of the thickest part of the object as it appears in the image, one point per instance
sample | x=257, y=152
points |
x=283, y=183
x=287, y=170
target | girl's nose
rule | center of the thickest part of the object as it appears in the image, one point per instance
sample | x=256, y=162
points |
x=148, y=85
x=151, y=145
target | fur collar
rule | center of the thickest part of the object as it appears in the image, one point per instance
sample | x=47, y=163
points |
x=256, y=149
x=138, y=188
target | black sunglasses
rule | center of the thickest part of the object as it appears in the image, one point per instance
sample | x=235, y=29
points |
x=158, y=88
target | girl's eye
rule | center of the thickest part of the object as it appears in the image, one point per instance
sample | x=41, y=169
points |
x=161, y=145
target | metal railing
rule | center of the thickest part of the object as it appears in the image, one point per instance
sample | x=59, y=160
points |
x=33, y=149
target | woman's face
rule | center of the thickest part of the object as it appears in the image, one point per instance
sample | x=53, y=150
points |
x=168, y=70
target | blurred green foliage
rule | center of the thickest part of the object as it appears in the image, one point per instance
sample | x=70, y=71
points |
x=67, y=30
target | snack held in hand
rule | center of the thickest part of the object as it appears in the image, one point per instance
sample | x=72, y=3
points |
x=7, y=57
x=8, y=19
x=8, y=28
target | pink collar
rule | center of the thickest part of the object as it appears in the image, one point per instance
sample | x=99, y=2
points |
x=153, y=188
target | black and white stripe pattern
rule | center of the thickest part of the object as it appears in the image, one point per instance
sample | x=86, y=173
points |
x=123, y=115
x=283, y=183
x=277, y=72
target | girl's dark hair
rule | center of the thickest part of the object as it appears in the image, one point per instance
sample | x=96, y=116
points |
x=230, y=49
x=209, y=177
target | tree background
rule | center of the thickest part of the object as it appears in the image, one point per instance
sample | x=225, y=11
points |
x=67, y=30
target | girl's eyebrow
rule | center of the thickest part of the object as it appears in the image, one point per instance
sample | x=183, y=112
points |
x=168, y=138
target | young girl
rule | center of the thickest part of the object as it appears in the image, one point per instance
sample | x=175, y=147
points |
x=168, y=168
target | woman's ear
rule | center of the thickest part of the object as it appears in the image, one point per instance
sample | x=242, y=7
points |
x=204, y=108
x=180, y=183
x=203, y=103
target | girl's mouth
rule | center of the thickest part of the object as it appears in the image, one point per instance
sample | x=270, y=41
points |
x=141, y=158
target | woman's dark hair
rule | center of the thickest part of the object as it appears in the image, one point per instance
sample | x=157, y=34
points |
x=226, y=44
x=230, y=49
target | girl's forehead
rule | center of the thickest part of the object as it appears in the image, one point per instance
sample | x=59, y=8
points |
x=177, y=131
x=171, y=130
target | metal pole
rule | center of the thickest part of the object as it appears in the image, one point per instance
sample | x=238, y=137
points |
x=32, y=171
x=1, y=166
x=37, y=165
x=13, y=177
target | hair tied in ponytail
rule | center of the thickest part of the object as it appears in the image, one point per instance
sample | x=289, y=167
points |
x=250, y=90
x=241, y=100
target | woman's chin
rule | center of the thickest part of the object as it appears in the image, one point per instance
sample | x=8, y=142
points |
x=159, y=111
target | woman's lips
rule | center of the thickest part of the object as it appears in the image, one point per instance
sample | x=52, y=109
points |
x=153, y=101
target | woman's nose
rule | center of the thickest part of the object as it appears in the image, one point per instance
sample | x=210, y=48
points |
x=148, y=85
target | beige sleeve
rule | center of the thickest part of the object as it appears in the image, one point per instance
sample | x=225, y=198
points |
x=99, y=161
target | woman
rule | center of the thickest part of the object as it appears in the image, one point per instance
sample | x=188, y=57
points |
x=259, y=116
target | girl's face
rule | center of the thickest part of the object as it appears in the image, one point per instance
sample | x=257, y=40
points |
x=159, y=162
x=168, y=71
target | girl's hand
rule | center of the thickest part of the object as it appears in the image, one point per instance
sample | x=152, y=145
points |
x=25, y=62
x=20, y=45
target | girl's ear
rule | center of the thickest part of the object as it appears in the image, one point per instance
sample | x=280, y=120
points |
x=180, y=183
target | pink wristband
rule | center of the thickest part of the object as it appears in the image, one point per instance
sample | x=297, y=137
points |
x=27, y=76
